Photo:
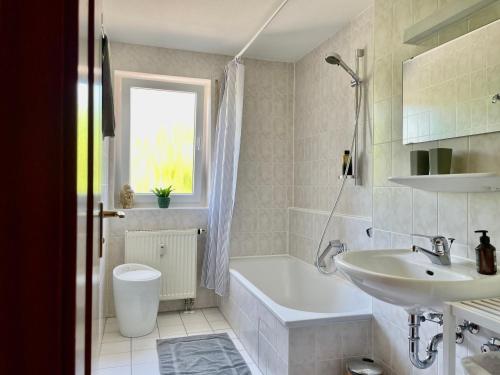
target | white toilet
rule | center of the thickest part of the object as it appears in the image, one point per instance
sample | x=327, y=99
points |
x=136, y=290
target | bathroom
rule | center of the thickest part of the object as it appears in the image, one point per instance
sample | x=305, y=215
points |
x=333, y=164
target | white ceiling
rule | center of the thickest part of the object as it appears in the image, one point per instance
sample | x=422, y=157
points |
x=225, y=26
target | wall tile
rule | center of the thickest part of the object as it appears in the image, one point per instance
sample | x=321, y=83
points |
x=400, y=159
x=425, y=217
x=382, y=208
x=401, y=210
x=397, y=118
x=382, y=164
x=452, y=216
x=484, y=155
x=383, y=78
x=383, y=124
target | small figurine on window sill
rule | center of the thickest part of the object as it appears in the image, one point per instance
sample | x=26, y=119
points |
x=127, y=196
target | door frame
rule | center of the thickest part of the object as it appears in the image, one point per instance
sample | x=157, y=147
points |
x=39, y=62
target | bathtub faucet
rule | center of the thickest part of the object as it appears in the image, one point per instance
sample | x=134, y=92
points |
x=339, y=247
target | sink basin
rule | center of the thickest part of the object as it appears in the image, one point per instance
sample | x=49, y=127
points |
x=410, y=280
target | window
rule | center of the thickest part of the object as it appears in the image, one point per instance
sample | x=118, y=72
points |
x=163, y=128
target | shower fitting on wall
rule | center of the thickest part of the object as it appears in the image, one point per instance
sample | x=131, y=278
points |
x=335, y=59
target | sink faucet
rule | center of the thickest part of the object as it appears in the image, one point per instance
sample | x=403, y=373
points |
x=440, y=253
x=339, y=248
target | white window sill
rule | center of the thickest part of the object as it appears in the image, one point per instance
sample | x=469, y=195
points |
x=151, y=208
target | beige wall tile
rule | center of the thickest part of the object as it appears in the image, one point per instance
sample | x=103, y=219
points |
x=423, y=8
x=452, y=216
x=484, y=153
x=382, y=164
x=382, y=208
x=425, y=218
x=383, y=124
x=400, y=159
x=383, y=78
x=401, y=210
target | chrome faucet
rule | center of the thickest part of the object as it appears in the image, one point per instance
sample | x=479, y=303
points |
x=440, y=253
x=339, y=247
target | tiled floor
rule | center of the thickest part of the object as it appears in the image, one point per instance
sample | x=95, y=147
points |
x=137, y=356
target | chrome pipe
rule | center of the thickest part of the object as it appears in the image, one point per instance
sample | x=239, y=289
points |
x=414, y=341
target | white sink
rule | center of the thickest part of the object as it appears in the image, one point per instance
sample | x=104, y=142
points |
x=410, y=280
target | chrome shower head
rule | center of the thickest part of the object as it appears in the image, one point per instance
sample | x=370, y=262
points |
x=335, y=59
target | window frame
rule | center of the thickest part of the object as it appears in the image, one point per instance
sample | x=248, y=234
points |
x=124, y=81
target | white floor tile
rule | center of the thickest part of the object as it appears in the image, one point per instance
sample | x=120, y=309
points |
x=195, y=317
x=200, y=333
x=143, y=344
x=125, y=370
x=114, y=360
x=213, y=314
x=111, y=325
x=152, y=335
x=113, y=337
x=169, y=319
x=219, y=324
x=191, y=313
x=197, y=326
x=170, y=331
x=146, y=369
x=144, y=356
x=173, y=336
x=115, y=347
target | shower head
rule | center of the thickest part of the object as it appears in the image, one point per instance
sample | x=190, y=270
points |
x=335, y=59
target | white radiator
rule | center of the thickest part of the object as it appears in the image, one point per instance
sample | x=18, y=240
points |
x=172, y=252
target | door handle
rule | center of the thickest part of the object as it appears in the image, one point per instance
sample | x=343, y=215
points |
x=103, y=214
x=113, y=213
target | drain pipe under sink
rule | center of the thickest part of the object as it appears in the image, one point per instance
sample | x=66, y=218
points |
x=414, y=340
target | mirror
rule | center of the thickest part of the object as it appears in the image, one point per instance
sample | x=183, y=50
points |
x=450, y=90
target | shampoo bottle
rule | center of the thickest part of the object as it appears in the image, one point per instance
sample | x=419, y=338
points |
x=486, y=260
x=345, y=162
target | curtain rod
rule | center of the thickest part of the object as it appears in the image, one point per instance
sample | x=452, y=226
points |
x=250, y=42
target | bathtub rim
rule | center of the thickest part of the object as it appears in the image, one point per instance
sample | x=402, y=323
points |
x=304, y=318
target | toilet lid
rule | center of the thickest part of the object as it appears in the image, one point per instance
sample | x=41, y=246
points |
x=140, y=275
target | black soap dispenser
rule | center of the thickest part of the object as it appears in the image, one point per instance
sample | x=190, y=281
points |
x=486, y=260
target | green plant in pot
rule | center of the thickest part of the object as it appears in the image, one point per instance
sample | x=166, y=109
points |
x=163, y=195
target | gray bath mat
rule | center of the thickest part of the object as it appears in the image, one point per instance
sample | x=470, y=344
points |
x=201, y=355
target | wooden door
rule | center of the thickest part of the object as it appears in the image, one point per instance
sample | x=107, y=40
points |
x=44, y=62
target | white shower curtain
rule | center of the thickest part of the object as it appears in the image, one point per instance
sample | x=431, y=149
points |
x=215, y=271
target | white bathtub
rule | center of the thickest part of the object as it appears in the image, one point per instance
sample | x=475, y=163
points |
x=293, y=320
x=297, y=294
